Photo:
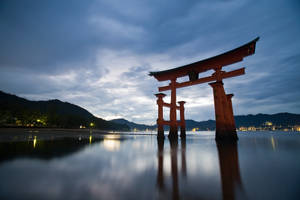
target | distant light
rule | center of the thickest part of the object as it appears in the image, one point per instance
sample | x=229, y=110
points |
x=92, y=124
x=34, y=142
x=268, y=123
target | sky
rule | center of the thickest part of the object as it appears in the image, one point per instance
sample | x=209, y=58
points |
x=97, y=54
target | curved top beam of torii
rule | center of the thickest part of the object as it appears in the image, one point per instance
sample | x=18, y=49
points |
x=227, y=58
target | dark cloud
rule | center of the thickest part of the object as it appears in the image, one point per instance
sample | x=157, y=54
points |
x=44, y=34
x=98, y=53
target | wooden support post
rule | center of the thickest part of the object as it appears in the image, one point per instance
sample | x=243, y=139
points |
x=222, y=111
x=173, y=121
x=182, y=120
x=231, y=116
x=160, y=119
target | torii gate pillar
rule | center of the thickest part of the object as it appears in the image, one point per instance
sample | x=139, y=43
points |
x=160, y=117
x=173, y=133
x=225, y=127
x=182, y=120
x=232, y=122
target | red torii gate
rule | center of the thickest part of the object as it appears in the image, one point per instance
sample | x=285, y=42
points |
x=225, y=125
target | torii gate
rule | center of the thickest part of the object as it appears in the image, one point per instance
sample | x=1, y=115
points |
x=225, y=125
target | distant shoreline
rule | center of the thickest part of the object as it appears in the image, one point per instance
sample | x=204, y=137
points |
x=6, y=133
x=61, y=131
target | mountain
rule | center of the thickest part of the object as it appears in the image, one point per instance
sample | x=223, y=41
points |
x=282, y=120
x=203, y=125
x=279, y=120
x=134, y=126
x=17, y=111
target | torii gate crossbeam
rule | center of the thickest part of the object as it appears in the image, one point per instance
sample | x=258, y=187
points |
x=225, y=125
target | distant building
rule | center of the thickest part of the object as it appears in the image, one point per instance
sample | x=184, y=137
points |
x=195, y=129
x=297, y=128
x=268, y=123
x=251, y=128
x=242, y=128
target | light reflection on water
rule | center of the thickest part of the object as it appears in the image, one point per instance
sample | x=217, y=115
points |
x=34, y=142
x=112, y=142
x=260, y=166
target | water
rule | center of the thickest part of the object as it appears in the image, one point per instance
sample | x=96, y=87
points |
x=51, y=165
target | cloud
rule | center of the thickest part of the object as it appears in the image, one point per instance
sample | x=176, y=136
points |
x=98, y=54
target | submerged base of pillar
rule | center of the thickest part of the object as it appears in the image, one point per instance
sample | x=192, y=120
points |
x=161, y=134
x=226, y=136
x=182, y=133
x=173, y=133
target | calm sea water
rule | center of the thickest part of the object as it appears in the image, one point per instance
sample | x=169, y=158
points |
x=262, y=165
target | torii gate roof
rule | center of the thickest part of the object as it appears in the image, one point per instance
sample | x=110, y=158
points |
x=227, y=58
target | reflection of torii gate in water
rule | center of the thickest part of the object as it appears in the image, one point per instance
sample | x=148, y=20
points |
x=225, y=125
